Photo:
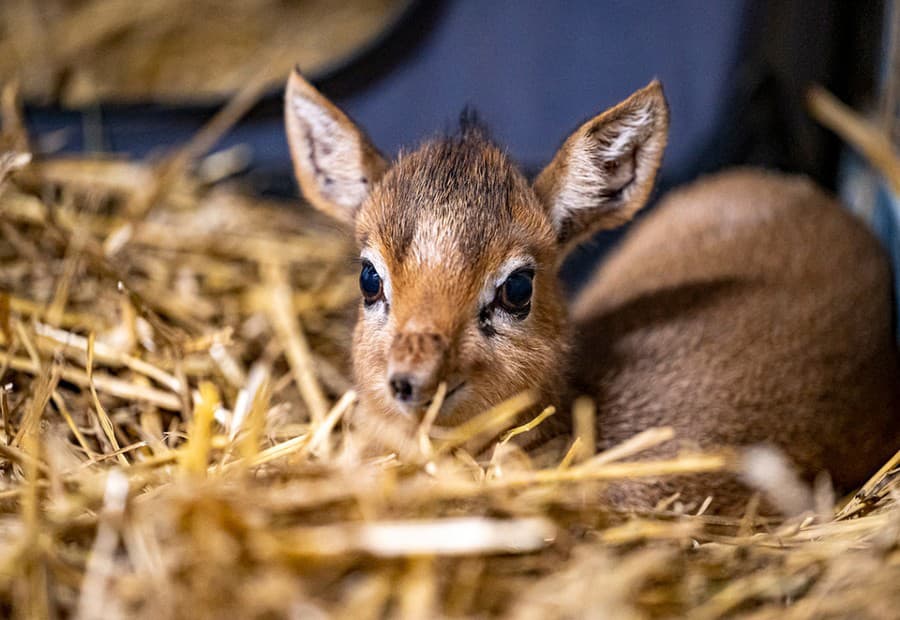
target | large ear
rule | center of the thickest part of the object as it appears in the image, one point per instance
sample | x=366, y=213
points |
x=334, y=160
x=604, y=171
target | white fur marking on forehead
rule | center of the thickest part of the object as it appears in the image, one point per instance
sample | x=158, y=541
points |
x=373, y=256
x=433, y=243
x=499, y=277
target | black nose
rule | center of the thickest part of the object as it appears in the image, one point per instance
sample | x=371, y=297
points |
x=403, y=387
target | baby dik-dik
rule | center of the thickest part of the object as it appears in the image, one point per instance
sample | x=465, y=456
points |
x=748, y=308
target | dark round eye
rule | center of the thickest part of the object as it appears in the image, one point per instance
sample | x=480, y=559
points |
x=370, y=283
x=514, y=295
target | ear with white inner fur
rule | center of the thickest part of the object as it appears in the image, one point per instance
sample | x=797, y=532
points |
x=604, y=171
x=334, y=160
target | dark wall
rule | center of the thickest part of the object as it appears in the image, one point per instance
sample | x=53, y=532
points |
x=734, y=72
x=532, y=68
x=536, y=69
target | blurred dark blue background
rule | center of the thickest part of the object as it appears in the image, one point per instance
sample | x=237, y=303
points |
x=734, y=72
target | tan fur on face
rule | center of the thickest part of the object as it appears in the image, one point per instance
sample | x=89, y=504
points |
x=448, y=220
x=447, y=224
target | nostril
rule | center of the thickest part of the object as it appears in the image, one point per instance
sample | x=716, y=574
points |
x=401, y=387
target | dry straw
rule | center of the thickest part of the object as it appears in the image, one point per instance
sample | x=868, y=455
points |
x=177, y=440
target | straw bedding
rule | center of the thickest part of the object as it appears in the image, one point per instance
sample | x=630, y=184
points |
x=176, y=440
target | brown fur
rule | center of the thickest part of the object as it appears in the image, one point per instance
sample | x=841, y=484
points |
x=463, y=195
x=748, y=308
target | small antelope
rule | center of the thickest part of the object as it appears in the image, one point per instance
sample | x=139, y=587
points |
x=748, y=308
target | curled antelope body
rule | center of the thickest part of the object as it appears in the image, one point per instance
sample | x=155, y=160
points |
x=748, y=308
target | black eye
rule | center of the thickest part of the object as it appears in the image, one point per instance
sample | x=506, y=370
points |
x=514, y=295
x=370, y=283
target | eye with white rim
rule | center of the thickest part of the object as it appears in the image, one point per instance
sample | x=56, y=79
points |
x=508, y=293
x=374, y=282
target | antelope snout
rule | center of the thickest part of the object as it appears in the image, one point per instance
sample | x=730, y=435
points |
x=415, y=366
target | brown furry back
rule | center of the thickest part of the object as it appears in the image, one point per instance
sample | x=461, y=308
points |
x=749, y=307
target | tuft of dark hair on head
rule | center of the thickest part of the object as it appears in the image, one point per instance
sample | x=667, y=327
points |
x=470, y=125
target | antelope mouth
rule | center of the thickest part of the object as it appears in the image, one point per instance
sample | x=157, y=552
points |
x=447, y=396
x=450, y=392
x=416, y=410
